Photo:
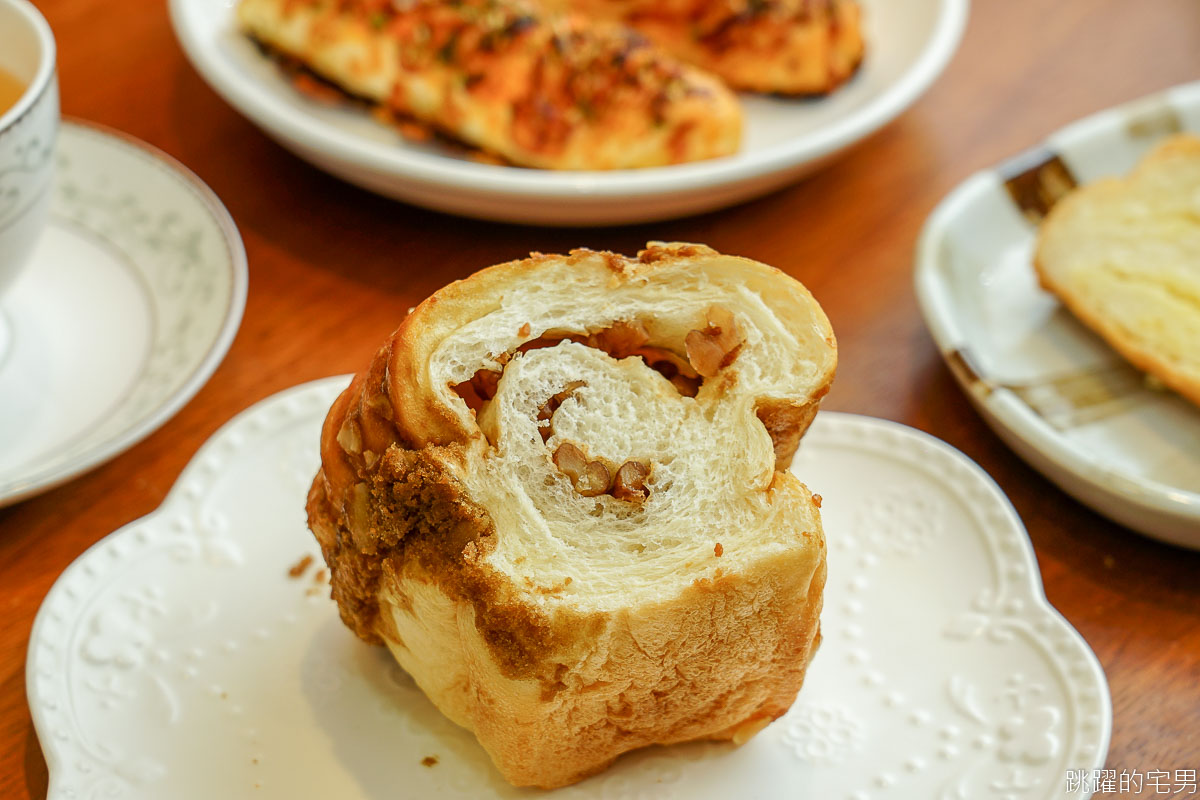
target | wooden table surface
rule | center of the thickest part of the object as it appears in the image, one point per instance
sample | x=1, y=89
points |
x=333, y=268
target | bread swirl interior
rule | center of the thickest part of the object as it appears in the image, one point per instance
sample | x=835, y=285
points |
x=712, y=460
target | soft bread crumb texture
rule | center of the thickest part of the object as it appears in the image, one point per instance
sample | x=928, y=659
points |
x=1124, y=256
x=566, y=629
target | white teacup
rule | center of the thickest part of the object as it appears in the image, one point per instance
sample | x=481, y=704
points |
x=27, y=133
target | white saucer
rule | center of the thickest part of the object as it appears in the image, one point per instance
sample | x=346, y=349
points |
x=909, y=44
x=1055, y=392
x=131, y=299
x=177, y=658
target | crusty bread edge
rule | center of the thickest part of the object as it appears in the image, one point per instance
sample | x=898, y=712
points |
x=1116, y=337
x=1143, y=359
x=553, y=734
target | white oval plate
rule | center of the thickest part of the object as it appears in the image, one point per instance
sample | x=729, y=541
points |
x=177, y=658
x=909, y=45
x=1056, y=393
x=127, y=306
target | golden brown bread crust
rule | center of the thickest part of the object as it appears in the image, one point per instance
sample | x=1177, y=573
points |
x=1078, y=214
x=647, y=676
x=1146, y=360
x=554, y=694
x=794, y=47
x=501, y=76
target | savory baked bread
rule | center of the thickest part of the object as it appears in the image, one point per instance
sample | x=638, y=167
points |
x=796, y=47
x=501, y=76
x=559, y=496
x=1124, y=256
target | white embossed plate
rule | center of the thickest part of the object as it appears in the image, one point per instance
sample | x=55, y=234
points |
x=1055, y=392
x=909, y=44
x=130, y=301
x=177, y=658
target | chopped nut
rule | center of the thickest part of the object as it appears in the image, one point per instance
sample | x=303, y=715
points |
x=524, y=330
x=570, y=459
x=715, y=347
x=704, y=353
x=630, y=482
x=590, y=478
x=595, y=480
x=350, y=437
x=718, y=551
x=380, y=404
x=817, y=500
x=358, y=511
x=620, y=339
x=721, y=322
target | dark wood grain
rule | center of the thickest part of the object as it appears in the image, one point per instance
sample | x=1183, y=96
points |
x=332, y=270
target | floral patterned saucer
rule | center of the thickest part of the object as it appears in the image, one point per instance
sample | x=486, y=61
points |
x=130, y=301
x=200, y=635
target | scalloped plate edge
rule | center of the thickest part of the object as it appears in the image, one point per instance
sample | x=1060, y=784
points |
x=1155, y=509
x=320, y=393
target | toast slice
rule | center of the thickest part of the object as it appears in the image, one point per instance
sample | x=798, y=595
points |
x=1123, y=254
x=502, y=76
x=559, y=495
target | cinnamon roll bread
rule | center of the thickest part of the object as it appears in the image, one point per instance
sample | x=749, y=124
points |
x=559, y=494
